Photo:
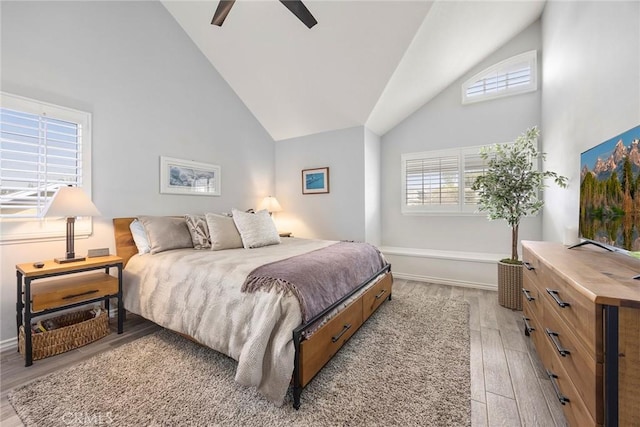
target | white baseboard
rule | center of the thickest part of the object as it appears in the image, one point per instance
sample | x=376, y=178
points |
x=9, y=344
x=443, y=281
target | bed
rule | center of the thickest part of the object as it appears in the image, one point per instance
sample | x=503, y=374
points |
x=263, y=329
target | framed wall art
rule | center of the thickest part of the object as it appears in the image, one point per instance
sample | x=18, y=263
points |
x=315, y=181
x=187, y=177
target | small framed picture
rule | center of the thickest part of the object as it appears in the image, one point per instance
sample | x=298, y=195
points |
x=315, y=181
x=187, y=177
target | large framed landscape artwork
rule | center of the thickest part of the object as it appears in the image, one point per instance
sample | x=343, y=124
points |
x=610, y=192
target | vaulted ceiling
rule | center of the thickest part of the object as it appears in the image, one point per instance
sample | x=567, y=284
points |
x=366, y=63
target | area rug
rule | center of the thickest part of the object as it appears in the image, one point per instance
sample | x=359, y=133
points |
x=408, y=365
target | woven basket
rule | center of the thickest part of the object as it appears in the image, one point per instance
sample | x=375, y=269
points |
x=510, y=285
x=75, y=330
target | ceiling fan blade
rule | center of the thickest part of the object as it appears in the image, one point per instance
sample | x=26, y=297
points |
x=301, y=11
x=224, y=6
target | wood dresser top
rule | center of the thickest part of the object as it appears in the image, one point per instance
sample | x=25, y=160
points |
x=602, y=276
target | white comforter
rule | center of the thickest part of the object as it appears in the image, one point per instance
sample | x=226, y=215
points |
x=197, y=292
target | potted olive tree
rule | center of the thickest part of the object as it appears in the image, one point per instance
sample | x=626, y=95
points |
x=510, y=189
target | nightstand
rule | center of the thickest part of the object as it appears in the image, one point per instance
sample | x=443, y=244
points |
x=36, y=297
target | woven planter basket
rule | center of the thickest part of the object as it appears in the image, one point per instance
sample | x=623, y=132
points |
x=75, y=330
x=510, y=285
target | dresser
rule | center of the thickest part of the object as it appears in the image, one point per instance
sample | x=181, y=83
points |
x=582, y=311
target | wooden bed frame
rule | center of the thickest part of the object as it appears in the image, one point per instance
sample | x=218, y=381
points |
x=313, y=353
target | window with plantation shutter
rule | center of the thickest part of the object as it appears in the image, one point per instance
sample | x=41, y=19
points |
x=440, y=181
x=42, y=147
x=512, y=76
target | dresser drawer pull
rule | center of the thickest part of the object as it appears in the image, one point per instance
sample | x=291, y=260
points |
x=527, y=295
x=382, y=292
x=344, y=329
x=82, y=294
x=554, y=338
x=553, y=377
x=554, y=295
x=527, y=327
x=528, y=266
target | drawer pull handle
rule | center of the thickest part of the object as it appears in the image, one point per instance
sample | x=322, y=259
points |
x=527, y=327
x=382, y=292
x=527, y=295
x=79, y=295
x=554, y=338
x=554, y=295
x=528, y=266
x=344, y=329
x=553, y=377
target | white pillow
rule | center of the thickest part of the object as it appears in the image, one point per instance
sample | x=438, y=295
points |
x=222, y=232
x=256, y=229
x=140, y=237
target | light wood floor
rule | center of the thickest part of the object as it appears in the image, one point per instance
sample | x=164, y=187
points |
x=508, y=384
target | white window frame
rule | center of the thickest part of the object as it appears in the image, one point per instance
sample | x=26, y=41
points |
x=463, y=154
x=502, y=68
x=15, y=230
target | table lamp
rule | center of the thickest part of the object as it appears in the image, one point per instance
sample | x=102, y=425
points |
x=271, y=204
x=70, y=202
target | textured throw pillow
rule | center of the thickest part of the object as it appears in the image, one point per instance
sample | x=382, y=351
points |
x=166, y=232
x=197, y=225
x=222, y=232
x=140, y=237
x=256, y=229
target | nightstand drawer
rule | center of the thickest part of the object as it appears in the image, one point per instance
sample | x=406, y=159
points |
x=69, y=290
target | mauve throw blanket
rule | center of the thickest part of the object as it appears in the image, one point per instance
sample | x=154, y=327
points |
x=315, y=285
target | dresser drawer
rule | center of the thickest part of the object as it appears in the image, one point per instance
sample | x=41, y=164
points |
x=585, y=373
x=375, y=296
x=574, y=408
x=554, y=293
x=320, y=348
x=532, y=296
x=576, y=310
x=69, y=290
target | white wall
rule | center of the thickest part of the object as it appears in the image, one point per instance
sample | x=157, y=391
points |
x=591, y=91
x=372, y=187
x=338, y=215
x=445, y=123
x=151, y=93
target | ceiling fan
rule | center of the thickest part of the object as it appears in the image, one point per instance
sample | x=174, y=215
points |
x=295, y=6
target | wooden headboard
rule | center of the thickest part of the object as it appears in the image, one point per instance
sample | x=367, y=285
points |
x=125, y=246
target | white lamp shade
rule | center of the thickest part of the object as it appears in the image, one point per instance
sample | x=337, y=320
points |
x=71, y=202
x=270, y=204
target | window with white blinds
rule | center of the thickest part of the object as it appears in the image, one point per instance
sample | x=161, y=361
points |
x=42, y=147
x=440, y=181
x=512, y=76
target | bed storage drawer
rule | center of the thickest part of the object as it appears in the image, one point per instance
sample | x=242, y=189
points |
x=375, y=296
x=58, y=292
x=320, y=348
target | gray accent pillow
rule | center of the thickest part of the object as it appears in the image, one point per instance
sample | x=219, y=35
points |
x=222, y=232
x=166, y=232
x=197, y=225
x=256, y=229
